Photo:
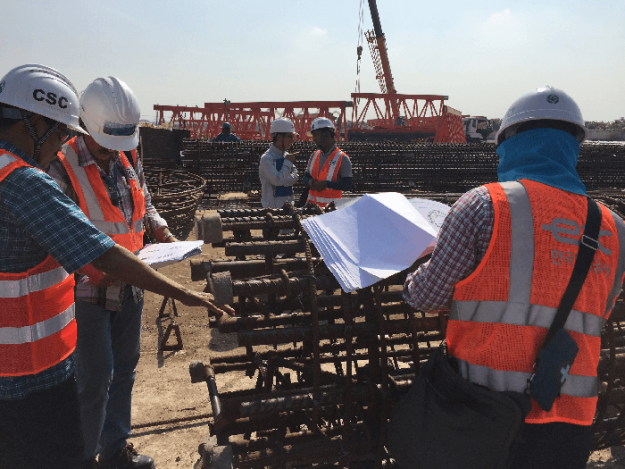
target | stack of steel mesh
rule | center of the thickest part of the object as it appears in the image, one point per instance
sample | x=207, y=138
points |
x=325, y=367
x=391, y=166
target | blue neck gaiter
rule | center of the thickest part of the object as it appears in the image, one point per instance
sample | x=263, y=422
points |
x=542, y=155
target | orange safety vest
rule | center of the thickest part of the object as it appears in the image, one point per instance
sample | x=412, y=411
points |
x=501, y=313
x=329, y=172
x=37, y=325
x=94, y=199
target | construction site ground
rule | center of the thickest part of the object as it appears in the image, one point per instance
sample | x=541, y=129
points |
x=163, y=390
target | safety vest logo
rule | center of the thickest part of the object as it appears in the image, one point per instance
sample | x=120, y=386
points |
x=553, y=99
x=131, y=173
x=562, y=226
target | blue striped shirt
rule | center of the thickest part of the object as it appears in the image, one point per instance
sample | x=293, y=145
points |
x=37, y=219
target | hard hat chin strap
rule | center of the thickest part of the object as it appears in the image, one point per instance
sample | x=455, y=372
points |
x=31, y=129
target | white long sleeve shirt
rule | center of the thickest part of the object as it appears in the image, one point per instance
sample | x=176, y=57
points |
x=270, y=177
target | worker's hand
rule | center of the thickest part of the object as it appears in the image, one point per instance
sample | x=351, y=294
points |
x=166, y=236
x=206, y=300
x=290, y=157
x=320, y=185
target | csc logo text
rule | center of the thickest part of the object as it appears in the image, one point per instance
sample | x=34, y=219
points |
x=50, y=98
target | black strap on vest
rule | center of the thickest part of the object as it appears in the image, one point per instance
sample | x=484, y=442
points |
x=589, y=243
x=128, y=154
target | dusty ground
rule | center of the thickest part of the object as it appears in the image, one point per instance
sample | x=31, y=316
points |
x=163, y=390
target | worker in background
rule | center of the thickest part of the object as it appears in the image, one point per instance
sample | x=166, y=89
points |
x=102, y=174
x=502, y=262
x=44, y=238
x=276, y=169
x=329, y=170
x=226, y=135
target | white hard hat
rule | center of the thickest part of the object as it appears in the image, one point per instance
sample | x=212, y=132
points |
x=542, y=104
x=41, y=90
x=110, y=111
x=322, y=123
x=281, y=125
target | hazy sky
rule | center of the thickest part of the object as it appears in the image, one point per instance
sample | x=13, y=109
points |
x=482, y=54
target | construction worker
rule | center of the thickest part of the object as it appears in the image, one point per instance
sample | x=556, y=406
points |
x=503, y=259
x=329, y=170
x=226, y=135
x=44, y=238
x=109, y=186
x=276, y=168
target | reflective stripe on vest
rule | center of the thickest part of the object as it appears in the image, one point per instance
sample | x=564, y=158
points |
x=8, y=163
x=6, y=160
x=37, y=282
x=37, y=331
x=503, y=312
x=328, y=172
x=482, y=317
x=37, y=326
x=575, y=385
x=93, y=199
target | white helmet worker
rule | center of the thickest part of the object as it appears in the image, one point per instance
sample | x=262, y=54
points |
x=543, y=104
x=322, y=123
x=110, y=111
x=37, y=89
x=281, y=125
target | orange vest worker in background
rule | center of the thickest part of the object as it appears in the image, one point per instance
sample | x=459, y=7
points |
x=329, y=170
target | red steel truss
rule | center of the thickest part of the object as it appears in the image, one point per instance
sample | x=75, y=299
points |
x=405, y=117
x=397, y=117
x=251, y=121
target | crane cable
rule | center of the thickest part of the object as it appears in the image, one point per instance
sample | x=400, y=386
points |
x=359, y=49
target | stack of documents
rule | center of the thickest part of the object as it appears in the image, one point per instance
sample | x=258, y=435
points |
x=375, y=236
x=160, y=255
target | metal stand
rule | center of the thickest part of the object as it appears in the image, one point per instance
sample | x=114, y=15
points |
x=172, y=326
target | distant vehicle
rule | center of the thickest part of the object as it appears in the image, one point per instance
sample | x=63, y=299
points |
x=476, y=129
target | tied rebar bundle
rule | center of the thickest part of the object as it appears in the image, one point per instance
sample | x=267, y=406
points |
x=391, y=166
x=325, y=367
x=175, y=193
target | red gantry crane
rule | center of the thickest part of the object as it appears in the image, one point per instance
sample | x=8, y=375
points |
x=398, y=117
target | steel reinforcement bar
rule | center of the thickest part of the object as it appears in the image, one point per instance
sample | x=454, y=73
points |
x=391, y=166
x=327, y=366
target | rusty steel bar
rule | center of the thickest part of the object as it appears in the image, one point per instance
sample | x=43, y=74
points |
x=268, y=405
x=237, y=323
x=253, y=239
x=424, y=337
x=245, y=269
x=300, y=334
x=266, y=248
x=290, y=439
x=295, y=284
x=249, y=365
